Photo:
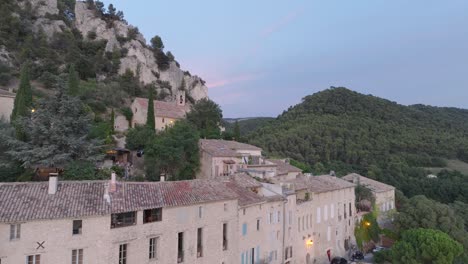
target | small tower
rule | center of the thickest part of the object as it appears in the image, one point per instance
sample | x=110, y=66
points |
x=180, y=97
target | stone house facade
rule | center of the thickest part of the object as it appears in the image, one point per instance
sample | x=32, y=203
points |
x=98, y=222
x=165, y=113
x=7, y=100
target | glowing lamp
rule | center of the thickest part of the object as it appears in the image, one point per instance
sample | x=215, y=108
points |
x=33, y=110
x=367, y=223
x=309, y=242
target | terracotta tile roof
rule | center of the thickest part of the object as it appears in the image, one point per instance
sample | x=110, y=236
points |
x=225, y=148
x=283, y=167
x=243, y=180
x=318, y=184
x=374, y=185
x=164, y=109
x=245, y=196
x=31, y=201
x=4, y=93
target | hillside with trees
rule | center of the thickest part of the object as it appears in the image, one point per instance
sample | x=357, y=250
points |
x=341, y=130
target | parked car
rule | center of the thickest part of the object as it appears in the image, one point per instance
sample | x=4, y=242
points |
x=339, y=260
x=357, y=255
x=377, y=249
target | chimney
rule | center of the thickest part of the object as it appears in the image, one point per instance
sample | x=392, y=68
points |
x=113, y=182
x=332, y=173
x=10, y=89
x=53, y=181
x=162, y=177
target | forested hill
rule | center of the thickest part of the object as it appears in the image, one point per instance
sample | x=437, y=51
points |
x=339, y=129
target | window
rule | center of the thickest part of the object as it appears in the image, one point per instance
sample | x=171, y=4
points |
x=279, y=217
x=318, y=215
x=243, y=211
x=225, y=207
x=344, y=210
x=350, y=211
x=15, y=231
x=325, y=213
x=200, y=212
x=225, y=241
x=153, y=248
x=244, y=229
x=290, y=218
x=271, y=218
x=77, y=256
x=163, y=119
x=258, y=224
x=180, y=247
x=328, y=233
x=77, y=225
x=123, y=219
x=332, y=210
x=123, y=254
x=298, y=224
x=152, y=215
x=199, y=242
x=33, y=259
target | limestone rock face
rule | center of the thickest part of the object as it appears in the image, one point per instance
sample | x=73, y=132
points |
x=48, y=26
x=139, y=58
x=42, y=7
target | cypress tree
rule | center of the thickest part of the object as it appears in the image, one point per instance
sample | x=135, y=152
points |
x=112, y=121
x=23, y=99
x=73, y=81
x=150, y=121
x=236, y=131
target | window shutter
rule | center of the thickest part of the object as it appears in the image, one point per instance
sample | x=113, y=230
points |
x=258, y=254
x=12, y=232
x=18, y=231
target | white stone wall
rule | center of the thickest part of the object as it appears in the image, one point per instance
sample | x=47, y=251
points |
x=101, y=243
x=267, y=241
x=6, y=107
x=321, y=219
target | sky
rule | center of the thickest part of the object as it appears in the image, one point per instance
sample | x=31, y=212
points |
x=260, y=57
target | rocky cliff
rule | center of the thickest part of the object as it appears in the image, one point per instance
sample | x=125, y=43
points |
x=139, y=58
x=48, y=18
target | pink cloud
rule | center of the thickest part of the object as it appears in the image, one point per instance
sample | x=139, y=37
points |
x=231, y=80
x=284, y=21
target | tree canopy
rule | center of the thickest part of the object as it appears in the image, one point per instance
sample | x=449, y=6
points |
x=173, y=152
x=420, y=212
x=150, y=118
x=55, y=134
x=205, y=115
x=425, y=246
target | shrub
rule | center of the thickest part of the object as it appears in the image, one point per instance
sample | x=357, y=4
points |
x=91, y=35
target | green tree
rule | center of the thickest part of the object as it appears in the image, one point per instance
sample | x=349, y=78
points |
x=301, y=165
x=139, y=137
x=420, y=212
x=150, y=118
x=170, y=56
x=425, y=246
x=157, y=43
x=174, y=152
x=23, y=100
x=237, y=134
x=206, y=115
x=56, y=134
x=367, y=230
x=112, y=121
x=73, y=81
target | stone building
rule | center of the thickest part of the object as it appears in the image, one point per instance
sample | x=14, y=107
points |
x=325, y=215
x=384, y=194
x=225, y=157
x=7, y=100
x=165, y=113
x=118, y=222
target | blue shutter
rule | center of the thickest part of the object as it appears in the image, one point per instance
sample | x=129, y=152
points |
x=258, y=254
x=242, y=258
x=244, y=229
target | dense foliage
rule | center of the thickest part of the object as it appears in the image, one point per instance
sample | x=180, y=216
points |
x=54, y=135
x=425, y=246
x=420, y=212
x=205, y=116
x=350, y=132
x=246, y=125
x=174, y=153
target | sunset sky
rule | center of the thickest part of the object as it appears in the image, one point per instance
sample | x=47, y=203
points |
x=260, y=57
